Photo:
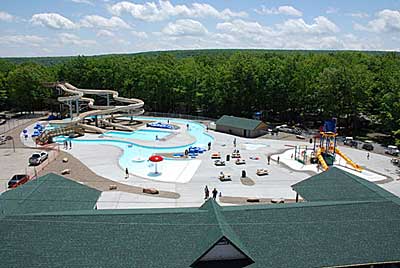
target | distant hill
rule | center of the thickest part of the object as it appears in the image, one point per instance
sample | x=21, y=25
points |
x=48, y=61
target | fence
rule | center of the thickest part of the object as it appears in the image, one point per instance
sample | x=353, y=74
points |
x=183, y=116
x=13, y=123
x=53, y=151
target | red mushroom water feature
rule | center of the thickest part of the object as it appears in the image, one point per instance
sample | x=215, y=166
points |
x=155, y=159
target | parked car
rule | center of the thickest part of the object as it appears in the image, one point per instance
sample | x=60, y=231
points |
x=17, y=180
x=392, y=150
x=3, y=139
x=350, y=142
x=368, y=146
x=38, y=158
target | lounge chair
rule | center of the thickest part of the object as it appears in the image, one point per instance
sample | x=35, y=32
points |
x=261, y=172
x=224, y=177
x=215, y=156
x=219, y=163
x=235, y=155
x=240, y=161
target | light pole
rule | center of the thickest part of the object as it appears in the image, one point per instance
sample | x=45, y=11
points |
x=12, y=139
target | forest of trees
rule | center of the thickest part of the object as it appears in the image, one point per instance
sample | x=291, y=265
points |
x=286, y=86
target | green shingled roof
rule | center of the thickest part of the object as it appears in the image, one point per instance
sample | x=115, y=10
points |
x=338, y=185
x=48, y=193
x=238, y=122
x=338, y=230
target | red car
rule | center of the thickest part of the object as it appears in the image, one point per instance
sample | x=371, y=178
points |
x=18, y=180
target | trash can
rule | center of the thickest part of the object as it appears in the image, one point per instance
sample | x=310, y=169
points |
x=243, y=173
x=228, y=157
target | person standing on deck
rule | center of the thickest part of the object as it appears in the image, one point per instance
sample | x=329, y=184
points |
x=206, y=193
x=214, y=193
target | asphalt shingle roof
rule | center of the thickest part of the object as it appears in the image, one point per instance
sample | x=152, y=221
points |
x=238, y=122
x=48, y=193
x=320, y=233
x=337, y=185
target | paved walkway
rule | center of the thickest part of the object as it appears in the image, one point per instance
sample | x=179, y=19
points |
x=101, y=168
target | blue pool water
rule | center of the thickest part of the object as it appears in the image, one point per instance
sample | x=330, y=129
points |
x=135, y=156
x=141, y=134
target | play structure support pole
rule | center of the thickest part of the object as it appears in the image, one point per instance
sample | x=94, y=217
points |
x=77, y=107
x=71, y=114
x=108, y=100
x=315, y=140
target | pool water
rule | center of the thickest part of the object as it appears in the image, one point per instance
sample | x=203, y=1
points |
x=135, y=156
x=141, y=134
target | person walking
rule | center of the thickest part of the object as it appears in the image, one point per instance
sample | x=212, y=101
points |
x=126, y=173
x=367, y=156
x=65, y=144
x=269, y=159
x=214, y=193
x=70, y=144
x=277, y=160
x=206, y=193
x=234, y=142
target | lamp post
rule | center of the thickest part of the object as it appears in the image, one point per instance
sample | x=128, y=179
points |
x=12, y=139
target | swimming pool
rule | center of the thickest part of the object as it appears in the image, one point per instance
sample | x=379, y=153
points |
x=135, y=156
x=141, y=134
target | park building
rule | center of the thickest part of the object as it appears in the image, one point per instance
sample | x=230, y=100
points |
x=243, y=127
x=341, y=221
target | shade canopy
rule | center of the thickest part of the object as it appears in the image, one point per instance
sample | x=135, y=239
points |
x=156, y=158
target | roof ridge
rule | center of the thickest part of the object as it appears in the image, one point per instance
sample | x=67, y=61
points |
x=300, y=204
x=371, y=186
x=225, y=228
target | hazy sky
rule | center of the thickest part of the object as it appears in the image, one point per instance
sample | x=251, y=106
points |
x=71, y=27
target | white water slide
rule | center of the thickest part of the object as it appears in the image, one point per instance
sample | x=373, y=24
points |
x=134, y=107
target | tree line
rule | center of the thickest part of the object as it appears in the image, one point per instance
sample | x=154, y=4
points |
x=286, y=86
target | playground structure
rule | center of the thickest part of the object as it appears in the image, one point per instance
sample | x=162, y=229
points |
x=326, y=153
x=103, y=114
x=302, y=156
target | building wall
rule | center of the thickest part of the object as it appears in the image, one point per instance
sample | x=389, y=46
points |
x=239, y=131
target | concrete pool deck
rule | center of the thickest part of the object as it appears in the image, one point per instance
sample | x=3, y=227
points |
x=103, y=161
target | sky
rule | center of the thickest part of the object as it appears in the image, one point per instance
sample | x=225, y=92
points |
x=92, y=27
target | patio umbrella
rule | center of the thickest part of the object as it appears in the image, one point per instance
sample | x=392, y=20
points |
x=155, y=159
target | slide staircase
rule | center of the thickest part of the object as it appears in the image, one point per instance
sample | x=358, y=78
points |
x=47, y=135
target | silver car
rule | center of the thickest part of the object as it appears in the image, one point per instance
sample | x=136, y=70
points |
x=38, y=158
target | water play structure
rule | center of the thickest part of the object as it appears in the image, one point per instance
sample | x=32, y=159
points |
x=98, y=114
x=326, y=153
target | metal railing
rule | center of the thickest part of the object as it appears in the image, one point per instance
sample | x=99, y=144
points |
x=182, y=116
x=13, y=123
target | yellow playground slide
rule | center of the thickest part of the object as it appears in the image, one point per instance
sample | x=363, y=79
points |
x=348, y=160
x=321, y=159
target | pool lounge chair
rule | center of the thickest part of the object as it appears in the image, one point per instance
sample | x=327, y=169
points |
x=219, y=163
x=235, y=155
x=240, y=161
x=215, y=156
x=261, y=172
x=224, y=177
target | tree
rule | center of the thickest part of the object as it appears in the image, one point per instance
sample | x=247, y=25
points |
x=25, y=83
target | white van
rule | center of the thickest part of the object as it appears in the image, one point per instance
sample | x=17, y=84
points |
x=392, y=150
